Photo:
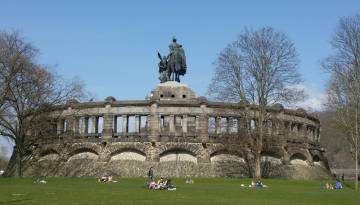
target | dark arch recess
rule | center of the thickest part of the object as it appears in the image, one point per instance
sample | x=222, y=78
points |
x=82, y=150
x=316, y=158
x=298, y=156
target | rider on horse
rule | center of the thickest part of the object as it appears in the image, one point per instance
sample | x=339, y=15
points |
x=175, y=63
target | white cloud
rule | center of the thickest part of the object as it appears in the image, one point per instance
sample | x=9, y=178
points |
x=315, y=98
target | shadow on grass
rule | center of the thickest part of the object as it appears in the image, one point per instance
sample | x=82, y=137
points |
x=14, y=201
x=348, y=184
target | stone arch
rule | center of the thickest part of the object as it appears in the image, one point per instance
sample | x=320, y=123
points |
x=294, y=150
x=91, y=147
x=50, y=148
x=273, y=157
x=49, y=154
x=128, y=154
x=226, y=155
x=319, y=161
x=117, y=147
x=298, y=158
x=83, y=153
x=191, y=148
x=48, y=151
x=178, y=154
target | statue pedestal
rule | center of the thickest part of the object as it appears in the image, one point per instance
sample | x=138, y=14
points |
x=172, y=90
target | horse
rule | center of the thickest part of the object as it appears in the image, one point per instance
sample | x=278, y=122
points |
x=176, y=64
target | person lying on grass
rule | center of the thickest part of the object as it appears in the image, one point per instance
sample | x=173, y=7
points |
x=106, y=179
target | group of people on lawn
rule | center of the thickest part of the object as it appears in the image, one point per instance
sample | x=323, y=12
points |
x=167, y=184
x=337, y=185
x=161, y=184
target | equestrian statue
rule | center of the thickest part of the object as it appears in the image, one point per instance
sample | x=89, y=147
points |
x=172, y=65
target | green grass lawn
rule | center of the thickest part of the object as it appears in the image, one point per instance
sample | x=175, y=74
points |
x=217, y=191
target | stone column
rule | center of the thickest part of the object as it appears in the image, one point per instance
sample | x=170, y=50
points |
x=85, y=126
x=240, y=128
x=137, y=124
x=203, y=127
x=302, y=131
x=276, y=127
x=184, y=124
x=311, y=133
x=93, y=120
x=124, y=123
x=154, y=123
x=70, y=125
x=172, y=124
x=108, y=125
x=60, y=126
x=218, y=125
x=229, y=124
x=76, y=125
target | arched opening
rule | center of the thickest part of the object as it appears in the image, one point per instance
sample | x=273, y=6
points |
x=128, y=154
x=49, y=155
x=83, y=153
x=316, y=158
x=270, y=157
x=178, y=155
x=298, y=159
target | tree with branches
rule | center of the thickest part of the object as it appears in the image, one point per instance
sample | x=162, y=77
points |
x=28, y=91
x=260, y=68
x=344, y=85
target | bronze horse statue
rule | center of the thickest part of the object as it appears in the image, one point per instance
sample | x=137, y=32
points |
x=174, y=65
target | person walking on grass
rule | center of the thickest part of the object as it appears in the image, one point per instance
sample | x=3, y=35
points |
x=151, y=174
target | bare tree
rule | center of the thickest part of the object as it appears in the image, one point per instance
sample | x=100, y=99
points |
x=28, y=91
x=260, y=68
x=3, y=158
x=344, y=86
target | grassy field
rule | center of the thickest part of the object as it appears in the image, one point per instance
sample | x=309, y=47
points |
x=66, y=191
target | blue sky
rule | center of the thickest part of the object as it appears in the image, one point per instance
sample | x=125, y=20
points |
x=111, y=45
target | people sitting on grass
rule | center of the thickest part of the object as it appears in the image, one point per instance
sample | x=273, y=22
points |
x=169, y=185
x=189, y=181
x=152, y=185
x=338, y=185
x=40, y=180
x=162, y=184
x=328, y=186
x=259, y=184
x=252, y=184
